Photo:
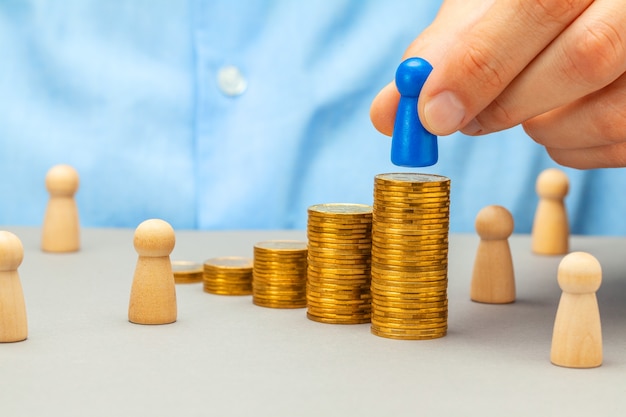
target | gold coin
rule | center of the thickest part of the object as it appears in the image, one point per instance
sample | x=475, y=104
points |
x=409, y=316
x=411, y=223
x=428, y=197
x=339, y=262
x=340, y=223
x=410, y=194
x=411, y=253
x=384, y=202
x=417, y=306
x=429, y=335
x=408, y=279
x=318, y=239
x=333, y=282
x=417, y=325
x=411, y=178
x=227, y=290
x=357, y=270
x=388, y=267
x=337, y=306
x=409, y=246
x=274, y=282
x=340, y=208
x=266, y=264
x=325, y=252
x=350, y=300
x=336, y=315
x=356, y=319
x=279, y=278
x=278, y=304
x=403, y=265
x=290, y=259
x=289, y=297
x=413, y=328
x=354, y=226
x=379, y=240
x=384, y=315
x=426, y=264
x=281, y=245
x=410, y=242
x=381, y=313
x=382, y=205
x=337, y=283
x=422, y=307
x=361, y=287
x=186, y=272
x=403, y=208
x=330, y=307
x=389, y=293
x=414, y=251
x=229, y=262
x=398, y=236
x=340, y=211
x=407, y=292
x=340, y=248
x=327, y=280
x=338, y=294
x=393, y=230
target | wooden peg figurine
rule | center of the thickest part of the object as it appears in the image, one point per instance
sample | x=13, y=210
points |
x=13, y=324
x=550, y=233
x=153, y=293
x=493, y=278
x=577, y=335
x=61, y=231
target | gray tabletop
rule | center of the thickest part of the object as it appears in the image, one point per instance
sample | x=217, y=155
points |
x=227, y=357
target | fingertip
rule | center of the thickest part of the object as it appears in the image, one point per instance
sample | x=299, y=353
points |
x=383, y=109
x=473, y=128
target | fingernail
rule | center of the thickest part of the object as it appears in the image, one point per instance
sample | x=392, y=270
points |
x=472, y=128
x=444, y=113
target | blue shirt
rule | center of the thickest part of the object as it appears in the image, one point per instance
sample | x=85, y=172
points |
x=129, y=93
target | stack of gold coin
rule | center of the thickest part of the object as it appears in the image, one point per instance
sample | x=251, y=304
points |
x=186, y=272
x=340, y=244
x=229, y=275
x=279, y=274
x=410, y=256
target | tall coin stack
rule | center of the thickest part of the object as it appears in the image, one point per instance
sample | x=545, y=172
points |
x=279, y=274
x=228, y=275
x=340, y=244
x=410, y=256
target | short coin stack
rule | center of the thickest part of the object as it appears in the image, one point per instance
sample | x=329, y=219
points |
x=279, y=274
x=186, y=272
x=228, y=275
x=340, y=243
x=410, y=256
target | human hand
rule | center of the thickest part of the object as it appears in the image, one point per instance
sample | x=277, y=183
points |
x=557, y=67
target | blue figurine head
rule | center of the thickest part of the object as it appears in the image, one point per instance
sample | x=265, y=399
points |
x=412, y=145
x=411, y=76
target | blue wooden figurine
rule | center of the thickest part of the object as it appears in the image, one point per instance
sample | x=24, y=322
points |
x=411, y=144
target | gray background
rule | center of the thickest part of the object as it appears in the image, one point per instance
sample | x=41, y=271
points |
x=227, y=357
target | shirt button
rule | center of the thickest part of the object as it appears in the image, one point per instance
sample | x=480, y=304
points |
x=231, y=81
